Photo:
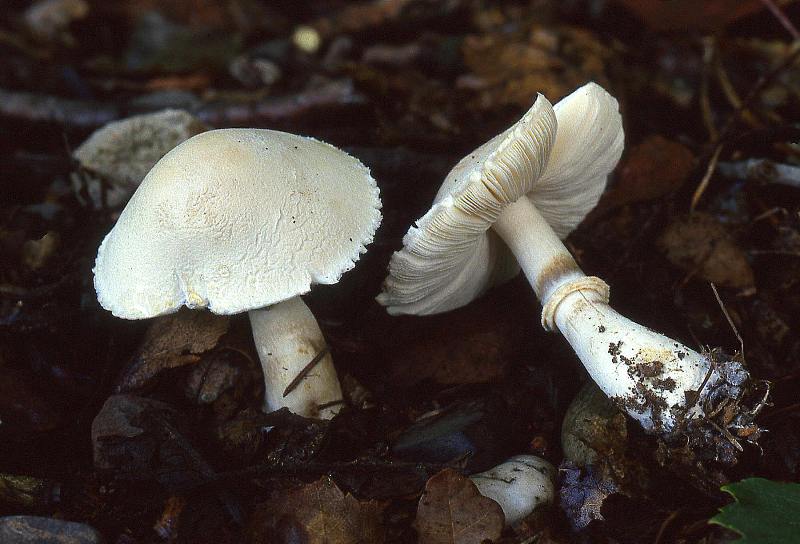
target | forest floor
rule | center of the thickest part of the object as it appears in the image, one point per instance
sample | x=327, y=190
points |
x=181, y=451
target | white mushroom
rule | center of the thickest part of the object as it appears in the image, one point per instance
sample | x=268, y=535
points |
x=523, y=191
x=246, y=220
x=519, y=485
x=115, y=159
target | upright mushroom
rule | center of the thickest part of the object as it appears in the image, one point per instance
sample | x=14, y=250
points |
x=508, y=204
x=245, y=220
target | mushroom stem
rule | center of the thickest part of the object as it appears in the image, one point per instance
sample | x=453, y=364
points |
x=288, y=338
x=653, y=378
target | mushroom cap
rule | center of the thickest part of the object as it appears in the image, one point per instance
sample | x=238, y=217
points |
x=519, y=485
x=559, y=157
x=237, y=219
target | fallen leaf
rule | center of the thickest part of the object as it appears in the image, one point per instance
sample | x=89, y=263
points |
x=127, y=442
x=683, y=15
x=36, y=253
x=701, y=245
x=452, y=510
x=173, y=341
x=510, y=68
x=652, y=169
x=318, y=513
x=764, y=512
x=474, y=344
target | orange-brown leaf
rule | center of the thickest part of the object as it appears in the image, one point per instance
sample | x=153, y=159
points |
x=172, y=341
x=452, y=511
x=318, y=513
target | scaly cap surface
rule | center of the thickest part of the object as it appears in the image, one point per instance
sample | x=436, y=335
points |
x=237, y=219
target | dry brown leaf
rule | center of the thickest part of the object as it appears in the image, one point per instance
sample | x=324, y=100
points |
x=452, y=511
x=172, y=341
x=652, y=169
x=512, y=68
x=318, y=513
x=701, y=245
x=683, y=15
x=473, y=344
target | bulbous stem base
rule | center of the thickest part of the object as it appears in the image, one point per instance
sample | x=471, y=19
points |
x=657, y=380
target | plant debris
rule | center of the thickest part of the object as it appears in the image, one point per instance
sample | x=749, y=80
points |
x=144, y=432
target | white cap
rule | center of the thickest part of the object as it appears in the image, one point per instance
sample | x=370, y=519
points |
x=234, y=220
x=519, y=485
x=558, y=157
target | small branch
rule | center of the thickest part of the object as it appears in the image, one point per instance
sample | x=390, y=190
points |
x=762, y=171
x=782, y=19
x=44, y=108
x=306, y=369
x=701, y=188
x=728, y=317
x=709, y=52
x=84, y=114
x=756, y=89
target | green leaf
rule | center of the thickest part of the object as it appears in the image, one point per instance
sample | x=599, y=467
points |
x=765, y=512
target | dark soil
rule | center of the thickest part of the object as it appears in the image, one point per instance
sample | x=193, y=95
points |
x=408, y=87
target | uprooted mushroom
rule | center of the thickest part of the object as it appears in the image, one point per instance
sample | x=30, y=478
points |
x=246, y=220
x=507, y=205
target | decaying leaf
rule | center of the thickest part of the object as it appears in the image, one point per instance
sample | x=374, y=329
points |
x=126, y=441
x=172, y=341
x=452, y=511
x=652, y=169
x=701, y=245
x=708, y=15
x=473, y=344
x=318, y=513
x=510, y=68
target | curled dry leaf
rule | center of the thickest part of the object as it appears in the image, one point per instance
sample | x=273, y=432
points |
x=173, y=341
x=452, y=510
x=318, y=513
x=701, y=245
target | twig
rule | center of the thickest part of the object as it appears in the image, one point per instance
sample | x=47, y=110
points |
x=762, y=170
x=664, y=524
x=701, y=188
x=709, y=47
x=733, y=97
x=53, y=109
x=733, y=119
x=306, y=369
x=83, y=114
x=781, y=17
x=728, y=317
x=759, y=86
